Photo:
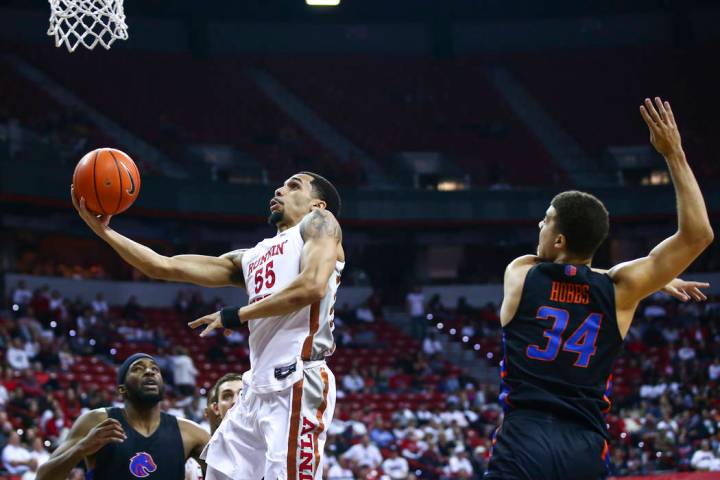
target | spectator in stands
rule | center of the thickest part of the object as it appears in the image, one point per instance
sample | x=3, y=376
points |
x=18, y=356
x=132, y=309
x=21, y=296
x=57, y=304
x=341, y=470
x=435, y=305
x=686, y=352
x=415, y=308
x=15, y=457
x=395, y=466
x=431, y=345
x=86, y=320
x=704, y=459
x=184, y=371
x=4, y=395
x=39, y=455
x=100, y=305
x=66, y=357
x=464, y=308
x=363, y=313
x=353, y=381
x=714, y=370
x=380, y=435
x=364, y=453
x=355, y=425
x=459, y=465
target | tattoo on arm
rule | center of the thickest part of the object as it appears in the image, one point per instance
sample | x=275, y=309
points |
x=320, y=223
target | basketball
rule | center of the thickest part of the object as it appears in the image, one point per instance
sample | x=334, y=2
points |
x=108, y=179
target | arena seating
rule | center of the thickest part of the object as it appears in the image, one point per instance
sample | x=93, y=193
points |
x=40, y=114
x=595, y=94
x=666, y=398
x=427, y=105
x=171, y=100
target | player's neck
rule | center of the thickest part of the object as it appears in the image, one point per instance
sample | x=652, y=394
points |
x=284, y=226
x=142, y=419
x=572, y=260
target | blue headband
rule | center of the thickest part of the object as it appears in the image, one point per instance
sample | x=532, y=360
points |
x=122, y=371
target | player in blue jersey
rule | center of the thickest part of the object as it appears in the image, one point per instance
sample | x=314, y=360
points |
x=564, y=322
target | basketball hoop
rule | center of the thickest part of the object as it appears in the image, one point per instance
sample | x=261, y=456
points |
x=87, y=23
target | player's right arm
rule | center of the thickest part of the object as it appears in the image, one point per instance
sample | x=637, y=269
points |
x=203, y=270
x=513, y=284
x=91, y=431
x=639, y=278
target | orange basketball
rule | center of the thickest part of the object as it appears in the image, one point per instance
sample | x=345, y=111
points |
x=108, y=179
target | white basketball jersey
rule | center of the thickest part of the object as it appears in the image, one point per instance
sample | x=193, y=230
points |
x=277, y=343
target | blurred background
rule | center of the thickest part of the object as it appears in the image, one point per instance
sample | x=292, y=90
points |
x=447, y=127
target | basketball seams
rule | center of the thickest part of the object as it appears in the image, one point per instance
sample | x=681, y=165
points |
x=97, y=194
x=120, y=194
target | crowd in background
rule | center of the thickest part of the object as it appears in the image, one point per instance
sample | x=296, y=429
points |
x=665, y=414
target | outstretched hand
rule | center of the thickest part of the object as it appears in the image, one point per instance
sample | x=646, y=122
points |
x=686, y=290
x=97, y=223
x=212, y=321
x=664, y=133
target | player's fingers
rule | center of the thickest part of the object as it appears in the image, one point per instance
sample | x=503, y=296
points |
x=208, y=329
x=114, y=434
x=115, y=437
x=670, y=115
x=227, y=332
x=646, y=116
x=697, y=295
x=661, y=110
x=651, y=111
x=108, y=422
x=677, y=293
x=200, y=321
x=84, y=210
x=72, y=197
x=698, y=284
x=111, y=429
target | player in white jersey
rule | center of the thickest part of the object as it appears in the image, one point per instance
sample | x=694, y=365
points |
x=278, y=428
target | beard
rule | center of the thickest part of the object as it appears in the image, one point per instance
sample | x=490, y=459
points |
x=145, y=399
x=275, y=217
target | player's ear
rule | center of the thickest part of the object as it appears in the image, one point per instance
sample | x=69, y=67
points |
x=320, y=204
x=122, y=390
x=215, y=408
x=560, y=242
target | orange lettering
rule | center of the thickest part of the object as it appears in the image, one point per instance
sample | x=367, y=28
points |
x=555, y=291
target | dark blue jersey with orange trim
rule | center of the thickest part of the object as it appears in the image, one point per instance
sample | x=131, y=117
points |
x=560, y=346
x=161, y=456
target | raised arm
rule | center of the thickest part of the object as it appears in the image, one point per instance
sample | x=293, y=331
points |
x=91, y=431
x=323, y=237
x=201, y=270
x=639, y=278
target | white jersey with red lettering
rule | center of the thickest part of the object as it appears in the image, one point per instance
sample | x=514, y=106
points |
x=278, y=427
x=280, y=345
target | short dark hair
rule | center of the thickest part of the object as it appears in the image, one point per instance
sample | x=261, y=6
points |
x=326, y=192
x=583, y=220
x=215, y=390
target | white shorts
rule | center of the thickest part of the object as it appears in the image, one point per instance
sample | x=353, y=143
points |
x=278, y=435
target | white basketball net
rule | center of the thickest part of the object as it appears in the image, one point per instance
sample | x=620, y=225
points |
x=87, y=23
